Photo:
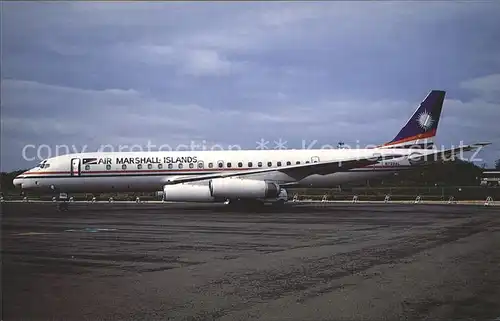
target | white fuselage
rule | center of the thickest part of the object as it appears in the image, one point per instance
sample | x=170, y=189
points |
x=150, y=171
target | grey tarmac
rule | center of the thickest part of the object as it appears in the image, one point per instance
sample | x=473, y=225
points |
x=211, y=262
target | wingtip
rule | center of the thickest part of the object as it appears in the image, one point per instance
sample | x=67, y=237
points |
x=482, y=144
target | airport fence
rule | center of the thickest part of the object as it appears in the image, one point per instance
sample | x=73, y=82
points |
x=443, y=193
x=439, y=193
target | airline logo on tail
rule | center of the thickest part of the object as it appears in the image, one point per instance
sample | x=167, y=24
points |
x=425, y=120
x=422, y=126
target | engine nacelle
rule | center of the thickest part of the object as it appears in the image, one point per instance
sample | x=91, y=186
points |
x=187, y=193
x=237, y=188
x=222, y=189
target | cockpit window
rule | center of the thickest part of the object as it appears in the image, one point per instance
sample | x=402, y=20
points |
x=42, y=164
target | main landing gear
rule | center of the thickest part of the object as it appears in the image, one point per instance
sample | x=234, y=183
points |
x=279, y=203
x=244, y=203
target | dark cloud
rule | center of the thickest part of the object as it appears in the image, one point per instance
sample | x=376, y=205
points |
x=91, y=73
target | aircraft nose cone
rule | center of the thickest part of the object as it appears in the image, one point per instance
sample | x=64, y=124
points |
x=18, y=182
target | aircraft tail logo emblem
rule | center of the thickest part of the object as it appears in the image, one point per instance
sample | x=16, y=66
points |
x=425, y=120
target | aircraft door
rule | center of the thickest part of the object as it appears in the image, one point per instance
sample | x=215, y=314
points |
x=75, y=167
x=315, y=159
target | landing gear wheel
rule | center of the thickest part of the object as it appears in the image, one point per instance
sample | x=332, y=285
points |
x=245, y=204
x=279, y=203
x=63, y=207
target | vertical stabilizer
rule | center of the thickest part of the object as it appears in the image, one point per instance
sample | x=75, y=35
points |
x=421, y=128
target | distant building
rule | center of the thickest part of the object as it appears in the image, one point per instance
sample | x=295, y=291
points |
x=490, y=178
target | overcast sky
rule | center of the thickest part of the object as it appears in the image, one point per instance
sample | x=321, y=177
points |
x=87, y=74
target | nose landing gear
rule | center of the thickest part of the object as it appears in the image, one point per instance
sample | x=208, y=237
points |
x=63, y=204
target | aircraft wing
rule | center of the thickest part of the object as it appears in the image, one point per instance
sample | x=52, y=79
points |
x=296, y=171
x=327, y=167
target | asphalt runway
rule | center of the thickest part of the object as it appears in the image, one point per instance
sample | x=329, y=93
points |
x=198, y=262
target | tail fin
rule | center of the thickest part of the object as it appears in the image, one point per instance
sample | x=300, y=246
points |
x=421, y=128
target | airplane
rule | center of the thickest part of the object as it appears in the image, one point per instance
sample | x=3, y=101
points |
x=248, y=176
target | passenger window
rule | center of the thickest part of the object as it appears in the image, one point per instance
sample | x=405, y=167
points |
x=269, y=164
x=288, y=163
x=250, y=164
x=139, y=166
x=124, y=166
x=108, y=167
x=191, y=165
x=160, y=166
x=220, y=164
x=200, y=165
x=180, y=165
x=307, y=162
x=150, y=166
x=279, y=164
x=210, y=165
x=259, y=164
x=297, y=162
x=170, y=166
x=240, y=164
x=228, y=165
x=87, y=167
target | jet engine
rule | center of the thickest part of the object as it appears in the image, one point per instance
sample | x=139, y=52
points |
x=187, y=193
x=221, y=189
x=237, y=188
